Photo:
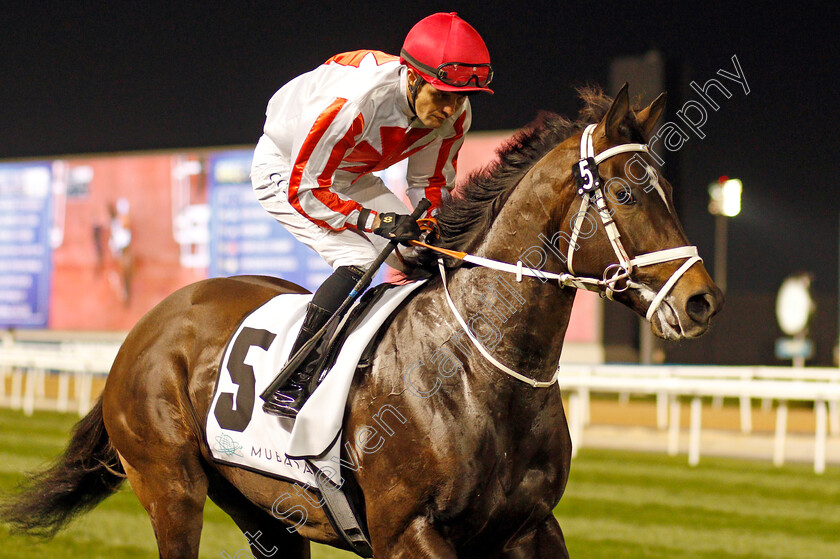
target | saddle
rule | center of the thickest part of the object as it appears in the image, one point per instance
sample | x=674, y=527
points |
x=328, y=349
x=306, y=450
x=345, y=506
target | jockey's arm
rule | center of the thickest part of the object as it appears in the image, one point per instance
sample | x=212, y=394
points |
x=321, y=141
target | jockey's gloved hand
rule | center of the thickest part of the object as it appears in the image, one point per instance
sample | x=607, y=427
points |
x=398, y=227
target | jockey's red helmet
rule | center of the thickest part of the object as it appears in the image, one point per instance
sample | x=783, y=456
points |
x=448, y=53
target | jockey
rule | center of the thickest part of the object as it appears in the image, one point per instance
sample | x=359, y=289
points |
x=328, y=130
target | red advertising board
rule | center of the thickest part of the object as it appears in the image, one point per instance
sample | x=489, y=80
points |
x=130, y=229
x=116, y=255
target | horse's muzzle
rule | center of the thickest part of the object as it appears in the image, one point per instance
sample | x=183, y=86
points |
x=688, y=315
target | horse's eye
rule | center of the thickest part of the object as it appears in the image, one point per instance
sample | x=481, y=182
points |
x=625, y=197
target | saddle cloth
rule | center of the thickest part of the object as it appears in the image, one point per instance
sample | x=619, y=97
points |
x=239, y=433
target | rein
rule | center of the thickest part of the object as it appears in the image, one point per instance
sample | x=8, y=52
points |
x=591, y=190
x=499, y=365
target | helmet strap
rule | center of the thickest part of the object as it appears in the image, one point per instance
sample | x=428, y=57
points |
x=413, y=90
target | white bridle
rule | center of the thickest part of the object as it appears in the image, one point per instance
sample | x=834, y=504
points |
x=590, y=190
x=624, y=268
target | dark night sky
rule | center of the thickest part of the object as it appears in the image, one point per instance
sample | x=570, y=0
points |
x=107, y=77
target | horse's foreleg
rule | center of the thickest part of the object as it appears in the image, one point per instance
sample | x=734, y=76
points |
x=419, y=541
x=545, y=542
x=173, y=494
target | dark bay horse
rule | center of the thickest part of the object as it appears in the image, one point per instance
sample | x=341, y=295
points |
x=449, y=455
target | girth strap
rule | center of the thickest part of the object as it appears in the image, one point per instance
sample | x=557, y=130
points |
x=342, y=515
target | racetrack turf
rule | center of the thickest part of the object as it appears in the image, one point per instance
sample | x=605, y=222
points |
x=617, y=504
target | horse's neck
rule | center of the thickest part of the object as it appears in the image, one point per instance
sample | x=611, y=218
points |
x=524, y=321
x=521, y=324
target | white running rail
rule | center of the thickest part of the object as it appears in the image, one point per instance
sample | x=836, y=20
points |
x=28, y=365
x=669, y=384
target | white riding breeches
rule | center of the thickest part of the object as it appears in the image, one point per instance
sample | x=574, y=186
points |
x=348, y=247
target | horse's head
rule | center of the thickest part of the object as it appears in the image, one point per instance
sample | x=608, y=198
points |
x=620, y=227
x=596, y=202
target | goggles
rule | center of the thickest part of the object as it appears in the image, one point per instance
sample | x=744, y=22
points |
x=456, y=74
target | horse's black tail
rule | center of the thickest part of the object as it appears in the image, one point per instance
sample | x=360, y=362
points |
x=82, y=477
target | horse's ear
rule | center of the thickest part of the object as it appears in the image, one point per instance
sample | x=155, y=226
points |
x=617, y=112
x=650, y=115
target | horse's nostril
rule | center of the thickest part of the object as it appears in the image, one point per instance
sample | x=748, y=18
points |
x=699, y=307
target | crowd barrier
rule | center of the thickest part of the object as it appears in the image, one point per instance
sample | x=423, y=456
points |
x=29, y=365
x=670, y=384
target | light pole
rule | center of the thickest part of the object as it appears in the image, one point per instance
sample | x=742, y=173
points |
x=724, y=202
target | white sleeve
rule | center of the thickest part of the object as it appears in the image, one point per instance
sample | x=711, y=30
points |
x=322, y=139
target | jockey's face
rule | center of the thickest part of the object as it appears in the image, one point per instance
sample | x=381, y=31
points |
x=433, y=106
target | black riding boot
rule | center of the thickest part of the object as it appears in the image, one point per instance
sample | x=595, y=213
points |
x=287, y=400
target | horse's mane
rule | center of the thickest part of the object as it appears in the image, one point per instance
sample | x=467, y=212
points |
x=464, y=218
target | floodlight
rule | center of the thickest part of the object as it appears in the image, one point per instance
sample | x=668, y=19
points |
x=725, y=197
x=731, y=205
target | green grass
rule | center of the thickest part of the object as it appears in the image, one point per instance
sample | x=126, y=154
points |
x=118, y=528
x=623, y=504
x=617, y=504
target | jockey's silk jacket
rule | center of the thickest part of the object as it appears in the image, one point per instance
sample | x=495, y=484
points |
x=346, y=119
